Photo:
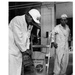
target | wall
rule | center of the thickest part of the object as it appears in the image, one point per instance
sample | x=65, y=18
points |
x=66, y=8
x=47, y=22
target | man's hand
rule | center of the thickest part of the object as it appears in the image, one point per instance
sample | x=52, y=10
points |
x=54, y=44
x=28, y=51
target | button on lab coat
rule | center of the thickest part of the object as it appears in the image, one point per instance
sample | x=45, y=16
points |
x=60, y=36
x=18, y=42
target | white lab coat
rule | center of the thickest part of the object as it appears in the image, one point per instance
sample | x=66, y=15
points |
x=18, y=41
x=60, y=36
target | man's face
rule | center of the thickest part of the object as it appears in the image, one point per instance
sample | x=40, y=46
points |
x=29, y=20
x=64, y=21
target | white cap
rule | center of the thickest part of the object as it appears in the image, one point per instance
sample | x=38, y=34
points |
x=64, y=16
x=35, y=15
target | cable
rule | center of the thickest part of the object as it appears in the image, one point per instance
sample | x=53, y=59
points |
x=22, y=6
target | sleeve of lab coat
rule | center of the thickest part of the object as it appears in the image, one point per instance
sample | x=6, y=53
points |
x=53, y=36
x=54, y=31
x=21, y=39
x=69, y=33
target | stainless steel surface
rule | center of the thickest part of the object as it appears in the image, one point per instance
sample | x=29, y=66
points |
x=41, y=46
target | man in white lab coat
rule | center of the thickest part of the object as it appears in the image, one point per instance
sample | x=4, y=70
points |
x=60, y=38
x=20, y=29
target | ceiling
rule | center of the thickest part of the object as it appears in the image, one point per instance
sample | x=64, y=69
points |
x=61, y=7
x=64, y=8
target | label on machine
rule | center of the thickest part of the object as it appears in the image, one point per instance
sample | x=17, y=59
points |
x=39, y=63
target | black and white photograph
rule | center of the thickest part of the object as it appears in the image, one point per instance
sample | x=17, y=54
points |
x=40, y=38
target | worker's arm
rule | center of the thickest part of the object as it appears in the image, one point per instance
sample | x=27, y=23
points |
x=69, y=33
x=21, y=39
x=53, y=41
x=69, y=37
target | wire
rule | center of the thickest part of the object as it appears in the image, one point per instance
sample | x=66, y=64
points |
x=22, y=6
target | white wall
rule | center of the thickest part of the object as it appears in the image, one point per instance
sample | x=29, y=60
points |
x=47, y=23
x=62, y=8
